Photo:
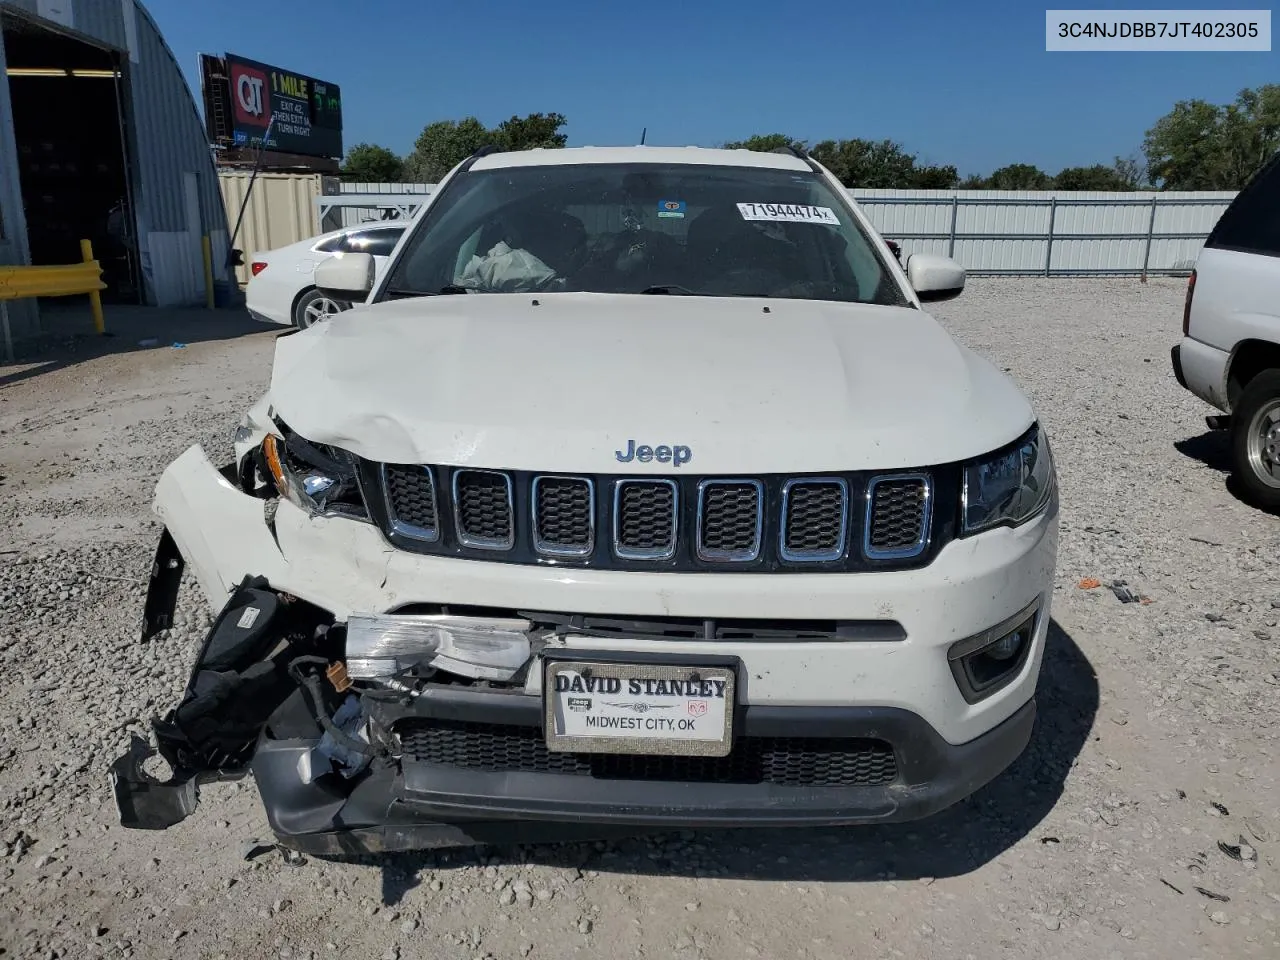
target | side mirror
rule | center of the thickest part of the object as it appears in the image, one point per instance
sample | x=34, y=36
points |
x=934, y=277
x=346, y=276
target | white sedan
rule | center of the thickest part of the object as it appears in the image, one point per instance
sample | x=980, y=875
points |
x=282, y=287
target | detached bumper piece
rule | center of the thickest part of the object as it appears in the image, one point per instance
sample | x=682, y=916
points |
x=239, y=680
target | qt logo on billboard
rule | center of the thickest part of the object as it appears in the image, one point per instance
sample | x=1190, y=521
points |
x=250, y=96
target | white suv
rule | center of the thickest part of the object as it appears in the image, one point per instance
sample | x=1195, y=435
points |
x=1229, y=355
x=640, y=491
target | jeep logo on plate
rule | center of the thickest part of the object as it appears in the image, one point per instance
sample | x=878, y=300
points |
x=675, y=454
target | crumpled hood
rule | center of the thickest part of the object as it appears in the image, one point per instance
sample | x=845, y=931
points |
x=560, y=382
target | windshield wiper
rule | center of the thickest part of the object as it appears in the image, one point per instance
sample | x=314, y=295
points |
x=400, y=293
x=668, y=288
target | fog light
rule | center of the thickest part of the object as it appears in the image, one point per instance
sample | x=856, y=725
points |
x=383, y=645
x=988, y=661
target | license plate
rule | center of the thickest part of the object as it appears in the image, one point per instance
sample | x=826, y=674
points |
x=638, y=708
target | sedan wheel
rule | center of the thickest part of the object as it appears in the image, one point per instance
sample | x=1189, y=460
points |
x=315, y=308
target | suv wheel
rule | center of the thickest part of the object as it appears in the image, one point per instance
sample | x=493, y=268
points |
x=314, y=307
x=1255, y=439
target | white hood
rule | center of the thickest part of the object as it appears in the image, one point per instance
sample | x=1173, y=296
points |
x=748, y=386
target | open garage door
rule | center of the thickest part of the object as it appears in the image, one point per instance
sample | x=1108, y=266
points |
x=73, y=169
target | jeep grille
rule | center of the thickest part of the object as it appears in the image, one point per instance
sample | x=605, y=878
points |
x=843, y=522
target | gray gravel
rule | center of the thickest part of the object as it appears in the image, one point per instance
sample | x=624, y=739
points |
x=1156, y=740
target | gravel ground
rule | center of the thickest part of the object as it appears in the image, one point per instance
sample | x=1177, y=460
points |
x=1137, y=823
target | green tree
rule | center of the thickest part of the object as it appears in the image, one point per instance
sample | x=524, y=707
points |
x=442, y=146
x=867, y=163
x=370, y=163
x=973, y=182
x=1097, y=177
x=1019, y=176
x=530, y=132
x=1132, y=172
x=765, y=143
x=1200, y=146
x=936, y=178
x=446, y=143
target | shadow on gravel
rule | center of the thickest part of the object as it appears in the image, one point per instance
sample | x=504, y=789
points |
x=951, y=843
x=1213, y=449
x=69, y=338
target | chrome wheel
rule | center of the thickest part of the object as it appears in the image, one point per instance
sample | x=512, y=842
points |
x=319, y=310
x=1264, y=443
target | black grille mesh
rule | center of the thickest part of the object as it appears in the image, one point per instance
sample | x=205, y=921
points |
x=897, y=514
x=413, y=498
x=785, y=761
x=563, y=513
x=815, y=516
x=484, y=507
x=646, y=516
x=730, y=518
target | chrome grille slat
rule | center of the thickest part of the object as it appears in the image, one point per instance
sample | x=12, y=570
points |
x=897, y=518
x=646, y=519
x=483, y=512
x=730, y=520
x=564, y=516
x=410, y=493
x=815, y=519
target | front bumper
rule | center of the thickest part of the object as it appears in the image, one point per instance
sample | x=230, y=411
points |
x=426, y=805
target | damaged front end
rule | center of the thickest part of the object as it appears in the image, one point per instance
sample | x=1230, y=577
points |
x=301, y=698
x=307, y=706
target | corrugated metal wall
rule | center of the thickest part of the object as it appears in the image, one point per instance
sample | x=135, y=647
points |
x=281, y=211
x=174, y=185
x=1007, y=231
x=179, y=199
x=1044, y=231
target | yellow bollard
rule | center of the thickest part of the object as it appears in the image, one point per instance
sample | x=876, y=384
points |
x=208, y=271
x=95, y=301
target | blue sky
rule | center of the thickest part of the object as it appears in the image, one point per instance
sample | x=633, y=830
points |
x=963, y=83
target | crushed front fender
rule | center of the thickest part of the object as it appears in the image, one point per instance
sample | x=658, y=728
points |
x=239, y=679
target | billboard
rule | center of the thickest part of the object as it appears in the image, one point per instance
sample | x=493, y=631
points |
x=304, y=114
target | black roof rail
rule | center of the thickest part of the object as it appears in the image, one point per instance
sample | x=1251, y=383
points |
x=484, y=151
x=800, y=152
x=792, y=149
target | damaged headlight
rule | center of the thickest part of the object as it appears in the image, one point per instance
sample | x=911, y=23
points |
x=1010, y=487
x=313, y=476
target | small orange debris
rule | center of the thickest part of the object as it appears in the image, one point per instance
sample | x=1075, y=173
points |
x=1089, y=583
x=337, y=674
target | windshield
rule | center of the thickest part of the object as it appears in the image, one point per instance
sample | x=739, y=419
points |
x=677, y=229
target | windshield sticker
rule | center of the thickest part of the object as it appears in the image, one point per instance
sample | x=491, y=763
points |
x=671, y=208
x=788, y=213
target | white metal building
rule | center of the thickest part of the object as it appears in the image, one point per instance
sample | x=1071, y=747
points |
x=100, y=138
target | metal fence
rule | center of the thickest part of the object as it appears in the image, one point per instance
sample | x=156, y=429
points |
x=989, y=232
x=1049, y=233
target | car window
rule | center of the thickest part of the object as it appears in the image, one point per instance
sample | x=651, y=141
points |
x=334, y=244
x=378, y=242
x=1252, y=222
x=682, y=229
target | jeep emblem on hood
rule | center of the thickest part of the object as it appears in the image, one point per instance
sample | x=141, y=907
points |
x=675, y=455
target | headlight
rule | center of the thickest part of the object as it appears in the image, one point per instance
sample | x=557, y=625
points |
x=1009, y=488
x=313, y=476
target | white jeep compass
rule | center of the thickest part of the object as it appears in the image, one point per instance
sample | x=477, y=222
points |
x=640, y=491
